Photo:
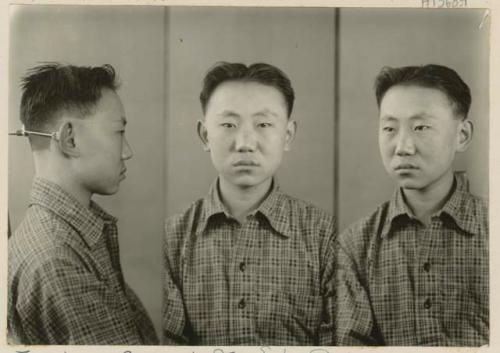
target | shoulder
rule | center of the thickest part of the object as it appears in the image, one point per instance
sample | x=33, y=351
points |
x=41, y=239
x=181, y=228
x=187, y=220
x=180, y=233
x=40, y=232
x=307, y=209
x=362, y=232
x=304, y=216
x=476, y=204
x=476, y=209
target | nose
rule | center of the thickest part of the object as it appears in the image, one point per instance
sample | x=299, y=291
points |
x=245, y=140
x=126, y=150
x=405, y=145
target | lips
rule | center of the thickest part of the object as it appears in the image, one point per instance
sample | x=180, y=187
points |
x=405, y=166
x=245, y=163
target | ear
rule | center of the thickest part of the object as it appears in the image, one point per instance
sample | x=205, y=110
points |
x=291, y=131
x=65, y=138
x=465, y=131
x=203, y=134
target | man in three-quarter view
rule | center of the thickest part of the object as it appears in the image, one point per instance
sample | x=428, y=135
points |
x=65, y=280
x=248, y=264
x=415, y=271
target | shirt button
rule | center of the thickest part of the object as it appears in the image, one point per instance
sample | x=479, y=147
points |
x=427, y=267
x=243, y=266
x=427, y=303
x=242, y=304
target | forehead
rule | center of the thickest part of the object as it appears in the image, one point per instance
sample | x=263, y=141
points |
x=244, y=96
x=406, y=101
x=109, y=109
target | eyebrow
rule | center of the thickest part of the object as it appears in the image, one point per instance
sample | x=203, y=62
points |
x=266, y=112
x=420, y=116
x=388, y=118
x=228, y=113
x=423, y=116
x=232, y=114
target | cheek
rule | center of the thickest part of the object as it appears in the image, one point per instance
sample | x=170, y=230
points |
x=273, y=139
x=218, y=139
x=441, y=146
x=93, y=152
x=218, y=151
x=384, y=146
x=96, y=144
x=443, y=156
x=108, y=152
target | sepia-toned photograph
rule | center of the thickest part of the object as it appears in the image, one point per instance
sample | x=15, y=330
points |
x=247, y=176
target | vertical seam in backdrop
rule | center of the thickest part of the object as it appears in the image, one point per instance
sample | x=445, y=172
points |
x=336, y=110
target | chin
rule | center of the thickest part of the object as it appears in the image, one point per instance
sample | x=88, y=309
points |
x=245, y=184
x=413, y=185
x=110, y=190
x=409, y=183
x=247, y=181
x=409, y=186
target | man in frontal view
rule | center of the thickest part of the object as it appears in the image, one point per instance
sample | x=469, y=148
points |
x=65, y=280
x=415, y=271
x=248, y=264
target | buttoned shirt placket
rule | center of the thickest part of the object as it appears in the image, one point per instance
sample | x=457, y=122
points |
x=428, y=301
x=241, y=292
x=241, y=283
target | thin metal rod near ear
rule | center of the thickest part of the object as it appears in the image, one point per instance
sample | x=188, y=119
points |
x=24, y=132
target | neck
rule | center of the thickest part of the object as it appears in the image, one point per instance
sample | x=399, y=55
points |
x=241, y=201
x=427, y=201
x=61, y=175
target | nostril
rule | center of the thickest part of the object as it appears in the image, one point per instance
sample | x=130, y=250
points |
x=245, y=148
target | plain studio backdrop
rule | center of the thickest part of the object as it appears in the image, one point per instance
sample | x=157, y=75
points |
x=161, y=55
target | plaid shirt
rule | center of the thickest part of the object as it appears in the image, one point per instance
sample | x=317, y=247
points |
x=401, y=283
x=268, y=281
x=65, y=280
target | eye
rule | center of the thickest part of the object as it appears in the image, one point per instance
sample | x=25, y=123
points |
x=422, y=127
x=387, y=129
x=228, y=125
x=264, y=125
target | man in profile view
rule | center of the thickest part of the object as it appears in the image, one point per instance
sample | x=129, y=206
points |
x=415, y=271
x=248, y=264
x=65, y=279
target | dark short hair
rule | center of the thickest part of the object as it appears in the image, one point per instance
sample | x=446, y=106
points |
x=53, y=87
x=430, y=76
x=261, y=73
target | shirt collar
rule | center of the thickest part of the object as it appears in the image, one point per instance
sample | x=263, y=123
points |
x=460, y=208
x=274, y=208
x=88, y=222
x=457, y=207
x=397, y=209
